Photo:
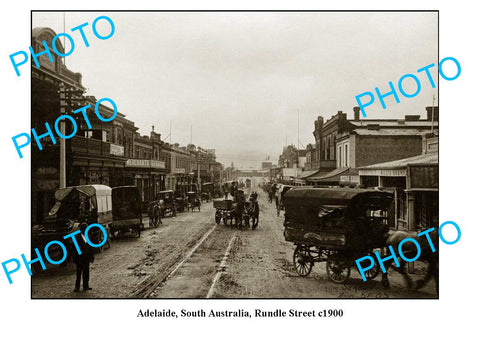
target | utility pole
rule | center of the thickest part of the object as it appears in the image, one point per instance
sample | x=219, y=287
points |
x=433, y=110
x=63, y=111
x=64, y=59
x=298, y=129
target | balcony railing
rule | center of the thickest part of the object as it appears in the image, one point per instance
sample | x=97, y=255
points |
x=92, y=146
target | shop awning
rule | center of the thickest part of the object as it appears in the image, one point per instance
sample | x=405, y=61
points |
x=332, y=176
x=431, y=158
x=308, y=173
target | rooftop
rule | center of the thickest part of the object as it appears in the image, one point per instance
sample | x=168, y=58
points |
x=431, y=158
x=388, y=132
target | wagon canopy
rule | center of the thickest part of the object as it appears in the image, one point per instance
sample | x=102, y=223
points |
x=373, y=199
x=73, y=202
x=325, y=216
x=89, y=190
x=307, y=204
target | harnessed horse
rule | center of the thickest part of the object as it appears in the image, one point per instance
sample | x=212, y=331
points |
x=252, y=210
x=409, y=250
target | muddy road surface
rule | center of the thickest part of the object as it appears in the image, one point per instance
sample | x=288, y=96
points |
x=189, y=256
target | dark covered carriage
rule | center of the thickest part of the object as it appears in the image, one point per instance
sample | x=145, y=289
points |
x=336, y=225
x=126, y=210
x=193, y=199
x=207, y=191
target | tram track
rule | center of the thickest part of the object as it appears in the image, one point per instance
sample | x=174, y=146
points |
x=222, y=266
x=148, y=286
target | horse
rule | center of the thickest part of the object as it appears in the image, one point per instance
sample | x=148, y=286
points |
x=238, y=207
x=252, y=210
x=409, y=251
x=154, y=212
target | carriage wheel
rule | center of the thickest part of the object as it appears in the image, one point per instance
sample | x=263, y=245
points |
x=225, y=220
x=302, y=260
x=372, y=273
x=218, y=217
x=338, y=268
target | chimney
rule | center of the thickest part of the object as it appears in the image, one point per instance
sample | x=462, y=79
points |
x=319, y=123
x=429, y=113
x=356, y=113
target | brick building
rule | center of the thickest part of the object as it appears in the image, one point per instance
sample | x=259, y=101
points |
x=347, y=144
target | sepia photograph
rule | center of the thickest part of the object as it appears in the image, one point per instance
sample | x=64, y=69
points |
x=234, y=154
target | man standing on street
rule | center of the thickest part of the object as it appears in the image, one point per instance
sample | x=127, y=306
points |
x=83, y=260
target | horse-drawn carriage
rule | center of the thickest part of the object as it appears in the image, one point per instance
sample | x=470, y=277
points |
x=207, y=191
x=238, y=210
x=179, y=197
x=74, y=206
x=193, y=200
x=336, y=225
x=224, y=210
x=167, y=203
x=127, y=210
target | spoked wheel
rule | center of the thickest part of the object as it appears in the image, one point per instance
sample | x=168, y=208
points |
x=302, y=260
x=338, y=268
x=372, y=273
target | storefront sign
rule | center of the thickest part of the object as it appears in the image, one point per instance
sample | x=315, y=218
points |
x=145, y=163
x=178, y=171
x=384, y=172
x=116, y=150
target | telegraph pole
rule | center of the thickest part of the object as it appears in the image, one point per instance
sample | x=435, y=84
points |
x=433, y=110
x=63, y=110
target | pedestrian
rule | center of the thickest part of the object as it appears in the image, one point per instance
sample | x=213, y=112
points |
x=83, y=260
x=159, y=209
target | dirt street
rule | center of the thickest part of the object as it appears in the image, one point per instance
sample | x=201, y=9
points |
x=191, y=257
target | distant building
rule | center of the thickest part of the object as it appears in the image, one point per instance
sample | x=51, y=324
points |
x=266, y=165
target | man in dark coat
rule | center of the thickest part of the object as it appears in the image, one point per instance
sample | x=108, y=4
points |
x=83, y=260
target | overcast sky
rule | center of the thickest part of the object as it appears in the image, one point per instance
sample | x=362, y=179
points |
x=241, y=80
